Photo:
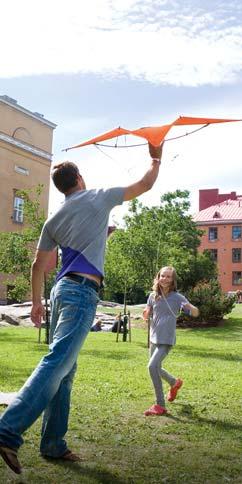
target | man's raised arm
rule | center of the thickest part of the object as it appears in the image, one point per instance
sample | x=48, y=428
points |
x=148, y=180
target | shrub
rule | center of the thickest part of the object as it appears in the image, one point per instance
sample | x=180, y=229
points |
x=212, y=303
x=20, y=287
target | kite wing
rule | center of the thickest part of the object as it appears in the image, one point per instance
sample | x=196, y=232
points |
x=109, y=135
x=153, y=134
x=184, y=120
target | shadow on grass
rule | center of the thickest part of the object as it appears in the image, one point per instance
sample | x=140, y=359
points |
x=10, y=337
x=8, y=372
x=124, y=355
x=7, y=338
x=229, y=329
x=194, y=351
x=142, y=345
x=187, y=410
x=101, y=476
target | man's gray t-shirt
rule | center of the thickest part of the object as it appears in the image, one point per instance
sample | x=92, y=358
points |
x=164, y=314
x=80, y=228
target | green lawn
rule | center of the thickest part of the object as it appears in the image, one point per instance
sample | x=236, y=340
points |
x=199, y=442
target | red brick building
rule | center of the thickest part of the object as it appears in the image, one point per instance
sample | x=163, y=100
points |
x=222, y=225
x=211, y=196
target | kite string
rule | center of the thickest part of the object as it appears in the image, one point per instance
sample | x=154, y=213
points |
x=103, y=152
x=125, y=170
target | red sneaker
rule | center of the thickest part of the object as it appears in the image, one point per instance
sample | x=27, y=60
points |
x=173, y=390
x=155, y=410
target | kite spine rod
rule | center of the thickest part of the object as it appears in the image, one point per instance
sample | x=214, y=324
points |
x=143, y=144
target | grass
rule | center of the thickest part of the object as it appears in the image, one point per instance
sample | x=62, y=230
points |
x=199, y=442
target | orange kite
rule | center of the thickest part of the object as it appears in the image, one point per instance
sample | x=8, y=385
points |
x=153, y=134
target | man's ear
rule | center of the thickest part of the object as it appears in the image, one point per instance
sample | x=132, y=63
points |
x=81, y=182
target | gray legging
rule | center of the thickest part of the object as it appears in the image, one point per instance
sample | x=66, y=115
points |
x=157, y=355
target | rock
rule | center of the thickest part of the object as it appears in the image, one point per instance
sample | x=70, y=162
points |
x=11, y=319
x=4, y=324
x=110, y=304
x=7, y=398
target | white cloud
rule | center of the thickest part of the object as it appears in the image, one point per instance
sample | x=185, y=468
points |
x=162, y=42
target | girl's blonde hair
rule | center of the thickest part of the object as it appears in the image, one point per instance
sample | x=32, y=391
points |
x=156, y=287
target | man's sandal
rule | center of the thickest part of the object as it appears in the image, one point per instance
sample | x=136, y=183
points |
x=68, y=456
x=11, y=459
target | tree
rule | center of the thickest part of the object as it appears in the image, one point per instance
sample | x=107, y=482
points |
x=154, y=237
x=17, y=248
x=120, y=277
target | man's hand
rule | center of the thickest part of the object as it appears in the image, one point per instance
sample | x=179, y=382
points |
x=149, y=178
x=37, y=314
x=41, y=260
x=156, y=151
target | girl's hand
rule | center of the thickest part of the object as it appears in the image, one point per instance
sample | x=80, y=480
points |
x=188, y=308
x=185, y=307
x=146, y=312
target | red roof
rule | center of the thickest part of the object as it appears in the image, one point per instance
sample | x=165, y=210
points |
x=229, y=211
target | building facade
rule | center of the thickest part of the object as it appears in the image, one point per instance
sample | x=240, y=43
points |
x=222, y=226
x=25, y=158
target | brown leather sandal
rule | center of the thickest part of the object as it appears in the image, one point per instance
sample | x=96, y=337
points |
x=70, y=456
x=11, y=459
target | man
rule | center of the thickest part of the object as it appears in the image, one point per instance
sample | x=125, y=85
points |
x=80, y=229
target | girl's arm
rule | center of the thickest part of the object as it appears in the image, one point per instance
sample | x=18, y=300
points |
x=193, y=310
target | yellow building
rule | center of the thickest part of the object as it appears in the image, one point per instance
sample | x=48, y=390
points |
x=25, y=159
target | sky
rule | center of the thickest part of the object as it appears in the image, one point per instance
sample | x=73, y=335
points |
x=92, y=66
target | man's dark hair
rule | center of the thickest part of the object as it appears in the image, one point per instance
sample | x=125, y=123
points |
x=65, y=176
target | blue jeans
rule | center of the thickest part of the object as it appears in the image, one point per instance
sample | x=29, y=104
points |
x=73, y=308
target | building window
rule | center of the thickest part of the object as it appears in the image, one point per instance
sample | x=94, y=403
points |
x=236, y=255
x=236, y=278
x=212, y=233
x=21, y=170
x=18, y=209
x=214, y=254
x=236, y=232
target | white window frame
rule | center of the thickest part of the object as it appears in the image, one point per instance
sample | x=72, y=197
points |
x=236, y=280
x=234, y=258
x=212, y=230
x=18, y=209
x=214, y=254
x=236, y=228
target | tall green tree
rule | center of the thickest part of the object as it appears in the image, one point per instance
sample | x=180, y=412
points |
x=17, y=248
x=154, y=237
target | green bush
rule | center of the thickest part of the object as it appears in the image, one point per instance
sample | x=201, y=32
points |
x=20, y=287
x=212, y=303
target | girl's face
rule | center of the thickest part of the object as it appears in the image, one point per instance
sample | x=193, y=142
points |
x=166, y=278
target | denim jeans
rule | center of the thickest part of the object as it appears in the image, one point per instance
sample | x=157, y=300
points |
x=73, y=308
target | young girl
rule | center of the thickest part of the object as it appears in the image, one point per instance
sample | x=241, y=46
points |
x=163, y=306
